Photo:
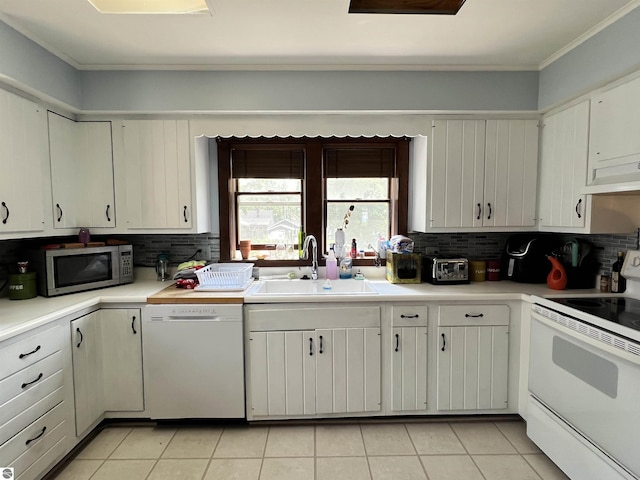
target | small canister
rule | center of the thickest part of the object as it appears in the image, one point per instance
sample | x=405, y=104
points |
x=22, y=286
x=493, y=270
x=478, y=270
x=605, y=283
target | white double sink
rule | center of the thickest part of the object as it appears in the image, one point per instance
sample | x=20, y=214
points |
x=298, y=287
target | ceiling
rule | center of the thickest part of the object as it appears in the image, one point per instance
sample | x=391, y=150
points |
x=313, y=34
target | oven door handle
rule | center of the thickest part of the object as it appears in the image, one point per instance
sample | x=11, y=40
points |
x=610, y=349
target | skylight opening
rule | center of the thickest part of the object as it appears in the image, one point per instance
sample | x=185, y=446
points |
x=151, y=6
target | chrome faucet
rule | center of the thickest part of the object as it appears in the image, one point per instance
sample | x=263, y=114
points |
x=314, y=260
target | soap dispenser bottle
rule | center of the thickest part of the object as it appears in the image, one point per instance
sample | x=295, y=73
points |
x=332, y=266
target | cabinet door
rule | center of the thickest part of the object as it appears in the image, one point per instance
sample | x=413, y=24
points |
x=87, y=370
x=563, y=168
x=348, y=370
x=472, y=368
x=154, y=159
x=457, y=171
x=23, y=163
x=510, y=173
x=409, y=368
x=81, y=173
x=122, y=359
x=615, y=124
x=282, y=373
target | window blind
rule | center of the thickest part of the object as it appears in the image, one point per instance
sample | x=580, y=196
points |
x=257, y=163
x=360, y=162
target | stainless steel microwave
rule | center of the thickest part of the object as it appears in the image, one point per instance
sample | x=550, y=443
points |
x=71, y=270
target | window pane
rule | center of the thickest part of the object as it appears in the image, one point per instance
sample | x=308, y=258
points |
x=262, y=185
x=357, y=188
x=367, y=222
x=269, y=219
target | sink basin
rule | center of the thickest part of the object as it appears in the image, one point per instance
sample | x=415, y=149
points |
x=311, y=287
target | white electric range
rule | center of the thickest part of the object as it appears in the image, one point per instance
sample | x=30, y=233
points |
x=584, y=381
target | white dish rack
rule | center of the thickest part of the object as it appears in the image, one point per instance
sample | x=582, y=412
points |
x=219, y=277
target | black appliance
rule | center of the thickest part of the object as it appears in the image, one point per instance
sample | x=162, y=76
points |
x=525, y=260
x=621, y=310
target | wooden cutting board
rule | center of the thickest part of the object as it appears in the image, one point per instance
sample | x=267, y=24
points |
x=72, y=245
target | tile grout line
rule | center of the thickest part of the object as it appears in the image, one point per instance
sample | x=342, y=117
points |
x=264, y=450
x=160, y=455
x=415, y=450
x=364, y=447
x=466, y=450
x=104, y=460
x=210, y=460
x=516, y=449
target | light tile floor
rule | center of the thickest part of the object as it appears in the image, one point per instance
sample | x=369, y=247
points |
x=357, y=451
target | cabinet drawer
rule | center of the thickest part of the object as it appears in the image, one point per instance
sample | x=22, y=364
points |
x=20, y=412
x=21, y=354
x=409, y=315
x=464, y=315
x=29, y=378
x=28, y=445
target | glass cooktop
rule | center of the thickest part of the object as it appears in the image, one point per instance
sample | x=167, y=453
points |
x=623, y=311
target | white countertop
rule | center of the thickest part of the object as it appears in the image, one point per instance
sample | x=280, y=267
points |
x=19, y=316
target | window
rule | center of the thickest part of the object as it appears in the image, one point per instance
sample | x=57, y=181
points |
x=271, y=187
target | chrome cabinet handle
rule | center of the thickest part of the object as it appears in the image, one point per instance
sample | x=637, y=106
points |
x=44, y=429
x=59, y=212
x=578, y=208
x=107, y=213
x=184, y=213
x=479, y=212
x=474, y=315
x=310, y=346
x=444, y=342
x=22, y=355
x=6, y=217
x=397, y=342
x=415, y=315
x=490, y=211
x=81, y=337
x=133, y=325
x=26, y=384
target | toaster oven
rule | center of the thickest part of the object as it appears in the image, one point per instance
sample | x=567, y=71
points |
x=441, y=270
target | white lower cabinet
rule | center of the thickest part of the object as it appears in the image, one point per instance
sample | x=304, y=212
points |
x=408, y=358
x=86, y=344
x=36, y=401
x=473, y=356
x=107, y=364
x=296, y=370
x=122, y=359
x=315, y=371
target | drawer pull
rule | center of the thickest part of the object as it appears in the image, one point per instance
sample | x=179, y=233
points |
x=25, y=385
x=474, y=315
x=22, y=355
x=44, y=429
x=415, y=315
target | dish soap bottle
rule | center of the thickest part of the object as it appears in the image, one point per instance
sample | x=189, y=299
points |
x=346, y=265
x=332, y=266
x=354, y=248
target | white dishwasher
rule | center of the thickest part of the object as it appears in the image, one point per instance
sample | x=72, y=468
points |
x=193, y=361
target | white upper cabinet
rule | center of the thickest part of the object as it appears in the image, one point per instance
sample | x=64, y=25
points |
x=474, y=174
x=81, y=173
x=511, y=173
x=23, y=166
x=563, y=168
x=614, y=142
x=156, y=176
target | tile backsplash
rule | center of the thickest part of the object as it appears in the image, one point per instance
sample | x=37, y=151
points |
x=207, y=247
